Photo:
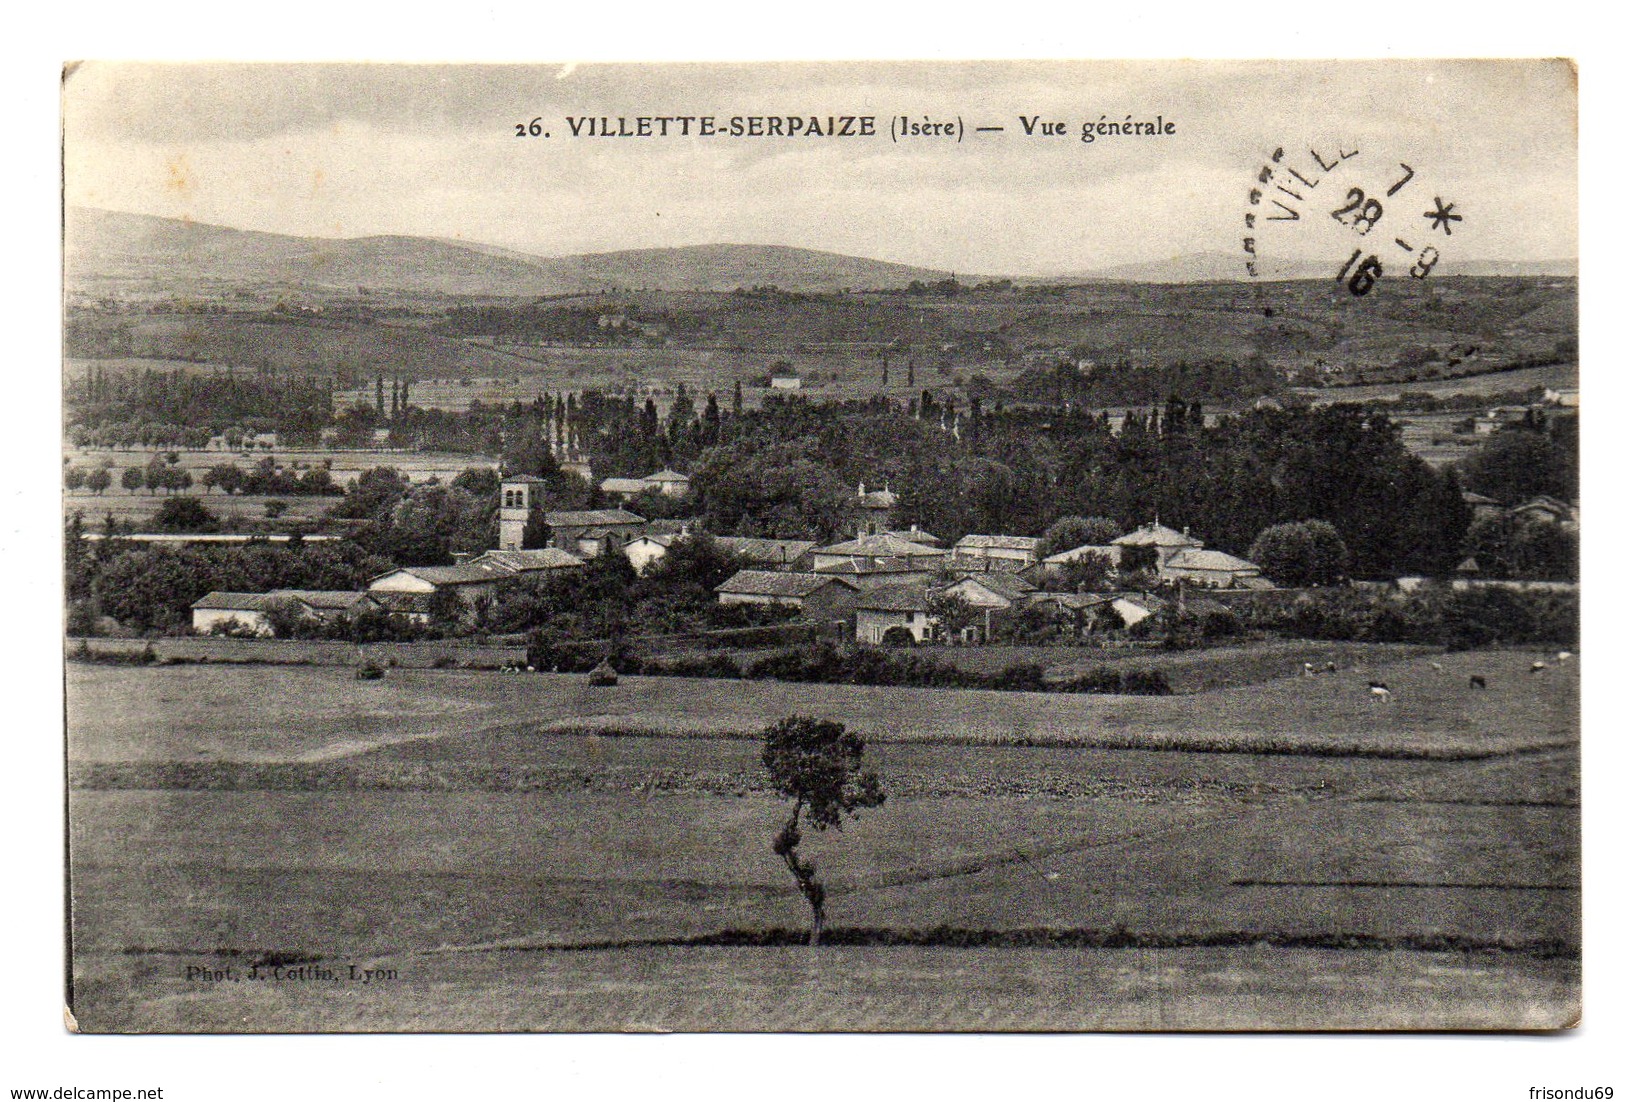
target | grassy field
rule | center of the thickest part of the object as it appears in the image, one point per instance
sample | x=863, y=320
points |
x=511, y=864
x=197, y=712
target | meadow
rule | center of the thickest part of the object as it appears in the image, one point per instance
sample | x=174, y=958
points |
x=528, y=852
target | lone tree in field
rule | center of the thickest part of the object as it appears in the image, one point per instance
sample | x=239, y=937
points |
x=817, y=765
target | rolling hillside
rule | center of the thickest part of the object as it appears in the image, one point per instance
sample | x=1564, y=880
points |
x=110, y=245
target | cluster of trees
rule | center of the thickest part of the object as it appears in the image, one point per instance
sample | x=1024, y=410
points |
x=152, y=588
x=179, y=408
x=1439, y=615
x=608, y=600
x=787, y=470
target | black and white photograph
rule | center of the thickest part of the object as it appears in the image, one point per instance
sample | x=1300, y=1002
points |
x=907, y=546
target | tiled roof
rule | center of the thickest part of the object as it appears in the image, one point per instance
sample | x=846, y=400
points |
x=884, y=544
x=1014, y=543
x=764, y=550
x=526, y=479
x=664, y=539
x=234, y=602
x=340, y=599
x=868, y=566
x=1110, y=552
x=879, y=499
x=667, y=475
x=916, y=535
x=778, y=583
x=589, y=518
x=958, y=562
x=1011, y=587
x=893, y=598
x=622, y=485
x=519, y=562
x=1156, y=535
x=467, y=573
x=1196, y=559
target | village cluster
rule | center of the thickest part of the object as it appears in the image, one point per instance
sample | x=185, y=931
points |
x=883, y=585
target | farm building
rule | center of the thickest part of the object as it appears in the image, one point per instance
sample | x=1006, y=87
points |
x=251, y=612
x=818, y=596
x=782, y=380
x=1134, y=607
x=892, y=606
x=220, y=611
x=1022, y=549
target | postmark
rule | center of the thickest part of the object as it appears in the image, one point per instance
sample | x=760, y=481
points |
x=1360, y=216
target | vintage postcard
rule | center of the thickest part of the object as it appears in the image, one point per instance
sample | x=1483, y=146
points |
x=821, y=547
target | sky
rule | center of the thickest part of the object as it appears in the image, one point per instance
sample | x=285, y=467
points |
x=354, y=150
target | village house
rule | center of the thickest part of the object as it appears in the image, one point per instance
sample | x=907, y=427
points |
x=543, y=560
x=467, y=581
x=880, y=546
x=1481, y=505
x=1022, y=549
x=774, y=554
x=990, y=594
x=1159, y=536
x=818, y=597
x=1209, y=568
x=592, y=532
x=1077, y=614
x=872, y=511
x=648, y=549
x=917, y=535
x=892, y=606
x=667, y=482
x=1546, y=508
x=869, y=573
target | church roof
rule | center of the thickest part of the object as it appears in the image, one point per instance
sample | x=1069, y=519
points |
x=883, y=545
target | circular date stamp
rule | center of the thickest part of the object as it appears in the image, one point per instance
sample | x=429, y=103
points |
x=1372, y=217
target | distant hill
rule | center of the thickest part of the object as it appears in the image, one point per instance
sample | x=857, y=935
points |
x=113, y=245
x=1217, y=267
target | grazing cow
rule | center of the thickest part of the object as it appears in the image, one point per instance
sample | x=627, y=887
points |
x=1477, y=682
x=1308, y=669
x=1380, y=691
x=1564, y=656
x=1537, y=667
x=1438, y=667
x=1330, y=667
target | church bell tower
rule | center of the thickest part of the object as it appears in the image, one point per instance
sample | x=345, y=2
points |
x=520, y=495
